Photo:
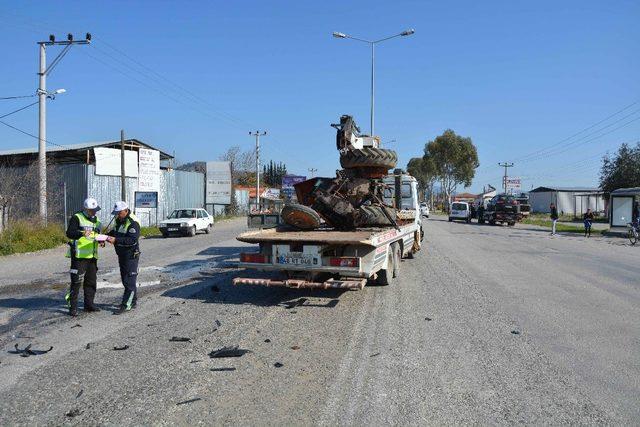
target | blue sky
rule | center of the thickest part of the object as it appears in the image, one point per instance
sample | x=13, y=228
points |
x=516, y=77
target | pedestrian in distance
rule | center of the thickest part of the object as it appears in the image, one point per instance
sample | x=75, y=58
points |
x=125, y=239
x=554, y=218
x=588, y=221
x=82, y=230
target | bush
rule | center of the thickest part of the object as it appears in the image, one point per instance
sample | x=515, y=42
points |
x=24, y=236
x=149, y=231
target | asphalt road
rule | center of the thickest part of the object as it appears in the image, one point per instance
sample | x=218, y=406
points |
x=489, y=325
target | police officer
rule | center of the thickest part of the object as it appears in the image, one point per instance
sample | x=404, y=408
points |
x=124, y=238
x=82, y=230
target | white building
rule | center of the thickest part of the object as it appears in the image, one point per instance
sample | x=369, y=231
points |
x=568, y=200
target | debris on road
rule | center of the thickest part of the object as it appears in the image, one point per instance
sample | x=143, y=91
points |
x=232, y=351
x=124, y=347
x=188, y=401
x=88, y=346
x=27, y=351
x=295, y=347
x=375, y=354
x=73, y=413
x=80, y=394
x=428, y=319
x=218, y=323
x=175, y=314
x=514, y=332
x=293, y=304
x=267, y=340
x=180, y=339
x=222, y=369
x=278, y=365
x=77, y=325
x=195, y=361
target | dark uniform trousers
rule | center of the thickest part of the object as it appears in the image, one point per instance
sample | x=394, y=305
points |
x=83, y=274
x=129, y=274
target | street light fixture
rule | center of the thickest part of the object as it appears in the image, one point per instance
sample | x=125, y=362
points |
x=373, y=43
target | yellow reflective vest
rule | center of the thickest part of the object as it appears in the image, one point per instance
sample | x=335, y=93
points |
x=85, y=247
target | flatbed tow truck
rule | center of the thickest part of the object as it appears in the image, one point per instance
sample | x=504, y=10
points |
x=327, y=258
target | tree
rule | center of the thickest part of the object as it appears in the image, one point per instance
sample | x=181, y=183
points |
x=425, y=173
x=621, y=170
x=454, y=159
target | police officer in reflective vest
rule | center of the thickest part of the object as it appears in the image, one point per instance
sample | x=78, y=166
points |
x=124, y=237
x=82, y=230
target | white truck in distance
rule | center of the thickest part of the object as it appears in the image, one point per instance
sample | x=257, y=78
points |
x=329, y=258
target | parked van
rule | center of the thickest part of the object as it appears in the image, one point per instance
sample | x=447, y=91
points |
x=460, y=211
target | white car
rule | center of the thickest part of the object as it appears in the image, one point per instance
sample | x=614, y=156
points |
x=461, y=211
x=424, y=209
x=186, y=222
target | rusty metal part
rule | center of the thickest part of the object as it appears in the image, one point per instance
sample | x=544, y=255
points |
x=351, y=283
x=301, y=217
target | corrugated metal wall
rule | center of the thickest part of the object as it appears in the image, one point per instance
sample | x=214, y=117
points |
x=565, y=202
x=177, y=189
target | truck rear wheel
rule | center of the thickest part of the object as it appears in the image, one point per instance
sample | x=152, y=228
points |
x=390, y=275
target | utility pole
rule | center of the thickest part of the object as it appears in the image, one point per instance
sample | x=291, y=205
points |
x=312, y=171
x=506, y=166
x=257, y=134
x=43, y=72
x=123, y=187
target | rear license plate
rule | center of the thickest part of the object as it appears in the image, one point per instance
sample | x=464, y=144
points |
x=172, y=229
x=294, y=260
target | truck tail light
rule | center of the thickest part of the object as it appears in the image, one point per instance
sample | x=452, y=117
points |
x=253, y=257
x=344, y=262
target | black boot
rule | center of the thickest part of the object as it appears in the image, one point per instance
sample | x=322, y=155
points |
x=122, y=309
x=73, y=310
x=92, y=309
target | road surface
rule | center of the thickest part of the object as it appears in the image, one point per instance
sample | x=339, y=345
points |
x=488, y=325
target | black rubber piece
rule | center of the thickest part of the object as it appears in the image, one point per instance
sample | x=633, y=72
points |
x=369, y=157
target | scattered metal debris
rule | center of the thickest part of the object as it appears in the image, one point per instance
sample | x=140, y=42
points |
x=295, y=347
x=292, y=304
x=124, y=347
x=177, y=313
x=292, y=312
x=218, y=323
x=80, y=394
x=74, y=413
x=232, y=351
x=27, y=351
x=195, y=361
x=278, y=365
x=180, y=339
x=267, y=340
x=428, y=319
x=375, y=354
x=222, y=369
x=188, y=401
x=88, y=346
x=77, y=325
x=514, y=332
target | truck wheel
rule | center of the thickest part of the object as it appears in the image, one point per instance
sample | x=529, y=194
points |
x=369, y=157
x=388, y=276
x=300, y=216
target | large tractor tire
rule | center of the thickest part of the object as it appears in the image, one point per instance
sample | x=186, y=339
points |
x=369, y=157
x=372, y=216
x=300, y=216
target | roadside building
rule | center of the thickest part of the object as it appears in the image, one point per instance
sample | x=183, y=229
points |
x=568, y=200
x=623, y=204
x=77, y=171
x=464, y=197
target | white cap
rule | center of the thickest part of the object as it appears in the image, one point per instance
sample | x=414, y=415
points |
x=91, y=203
x=119, y=206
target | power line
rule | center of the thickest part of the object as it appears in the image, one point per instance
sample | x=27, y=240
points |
x=17, y=97
x=19, y=109
x=30, y=134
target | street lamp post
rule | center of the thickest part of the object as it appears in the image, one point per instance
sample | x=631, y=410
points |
x=43, y=72
x=372, y=43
